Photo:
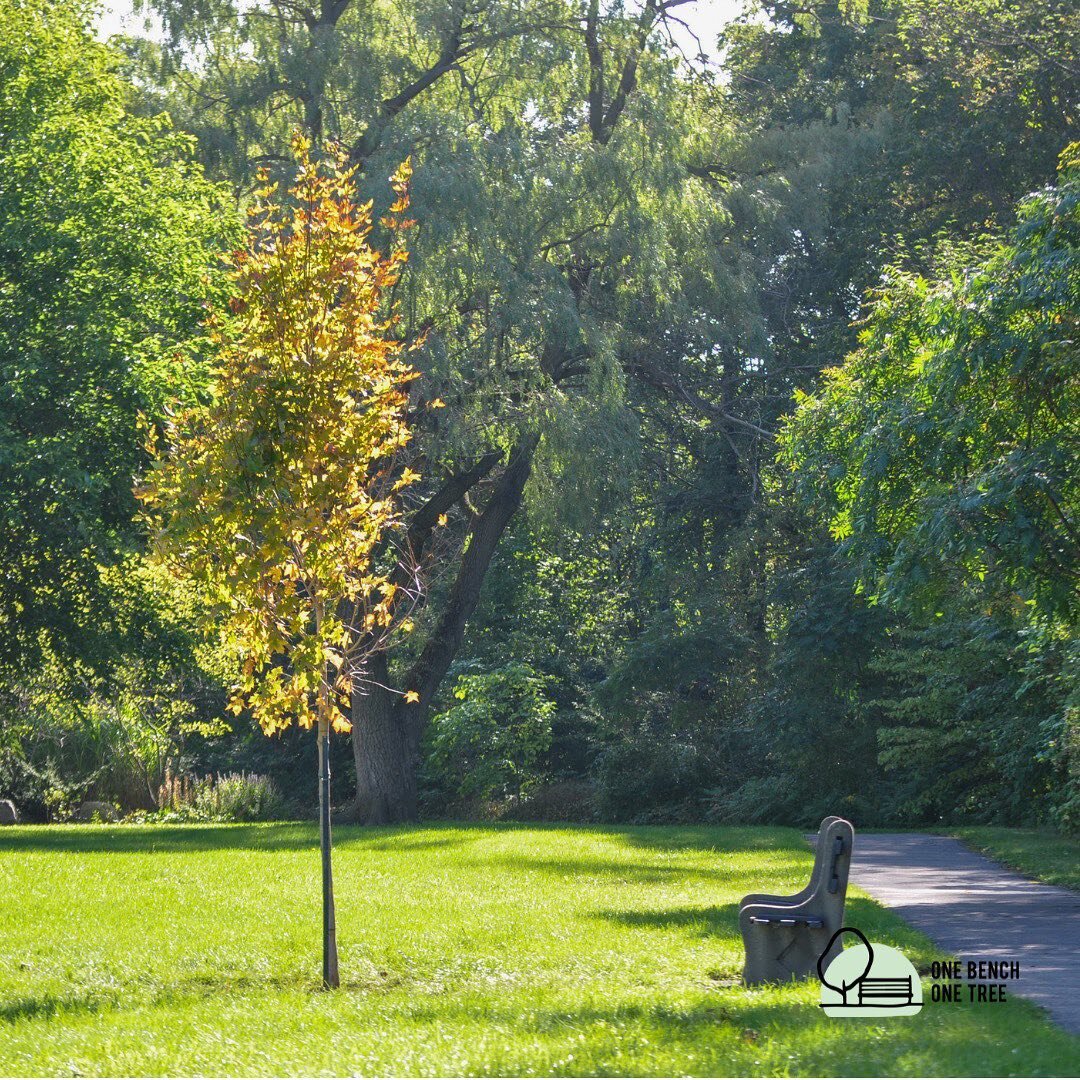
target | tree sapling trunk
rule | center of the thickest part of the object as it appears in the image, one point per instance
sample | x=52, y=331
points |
x=331, y=980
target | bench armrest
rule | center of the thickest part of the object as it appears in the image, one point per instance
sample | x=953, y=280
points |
x=786, y=901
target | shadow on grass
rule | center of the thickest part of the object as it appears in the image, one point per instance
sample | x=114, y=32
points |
x=720, y=921
x=875, y=921
x=611, y=869
x=771, y=1031
x=49, y=1006
x=712, y=838
x=878, y=923
x=277, y=836
x=726, y=854
x=713, y=843
x=397, y=838
x=299, y=836
x=733, y=1030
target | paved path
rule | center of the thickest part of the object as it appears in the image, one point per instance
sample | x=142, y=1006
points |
x=977, y=909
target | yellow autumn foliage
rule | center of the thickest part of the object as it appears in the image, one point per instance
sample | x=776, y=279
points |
x=274, y=496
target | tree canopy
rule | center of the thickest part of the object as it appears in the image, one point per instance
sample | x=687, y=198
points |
x=274, y=495
x=108, y=235
x=947, y=443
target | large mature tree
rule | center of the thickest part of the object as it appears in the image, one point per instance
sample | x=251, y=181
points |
x=626, y=270
x=569, y=241
x=946, y=445
x=862, y=130
x=107, y=231
x=890, y=120
x=943, y=452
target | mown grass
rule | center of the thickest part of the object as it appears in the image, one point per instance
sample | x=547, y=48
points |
x=473, y=950
x=1039, y=853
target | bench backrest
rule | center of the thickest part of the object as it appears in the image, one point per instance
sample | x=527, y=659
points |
x=820, y=854
x=836, y=865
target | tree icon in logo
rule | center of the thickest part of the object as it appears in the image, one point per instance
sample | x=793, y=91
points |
x=868, y=979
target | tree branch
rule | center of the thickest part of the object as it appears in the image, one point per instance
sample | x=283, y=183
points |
x=671, y=384
x=484, y=535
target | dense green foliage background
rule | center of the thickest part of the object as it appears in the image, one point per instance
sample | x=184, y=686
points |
x=780, y=363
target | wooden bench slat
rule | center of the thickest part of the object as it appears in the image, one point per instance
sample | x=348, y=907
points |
x=811, y=921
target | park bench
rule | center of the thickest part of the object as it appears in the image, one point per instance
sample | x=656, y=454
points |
x=784, y=935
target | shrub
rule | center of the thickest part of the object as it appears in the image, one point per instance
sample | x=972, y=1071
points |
x=225, y=797
x=71, y=733
x=659, y=779
x=490, y=743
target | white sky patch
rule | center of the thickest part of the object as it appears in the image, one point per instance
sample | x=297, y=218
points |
x=119, y=17
x=704, y=20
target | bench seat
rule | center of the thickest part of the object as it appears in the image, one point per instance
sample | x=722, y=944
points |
x=815, y=922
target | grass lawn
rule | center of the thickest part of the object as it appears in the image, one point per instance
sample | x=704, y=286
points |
x=512, y=950
x=1038, y=853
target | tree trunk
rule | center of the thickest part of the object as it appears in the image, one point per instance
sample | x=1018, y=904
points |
x=384, y=753
x=386, y=728
x=330, y=958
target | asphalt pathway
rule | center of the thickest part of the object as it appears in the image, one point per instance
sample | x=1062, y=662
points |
x=977, y=909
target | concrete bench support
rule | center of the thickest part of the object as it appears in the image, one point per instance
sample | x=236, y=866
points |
x=785, y=935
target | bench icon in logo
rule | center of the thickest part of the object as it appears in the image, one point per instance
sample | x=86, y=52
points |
x=868, y=980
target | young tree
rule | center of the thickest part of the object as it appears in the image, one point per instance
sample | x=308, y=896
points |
x=273, y=496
